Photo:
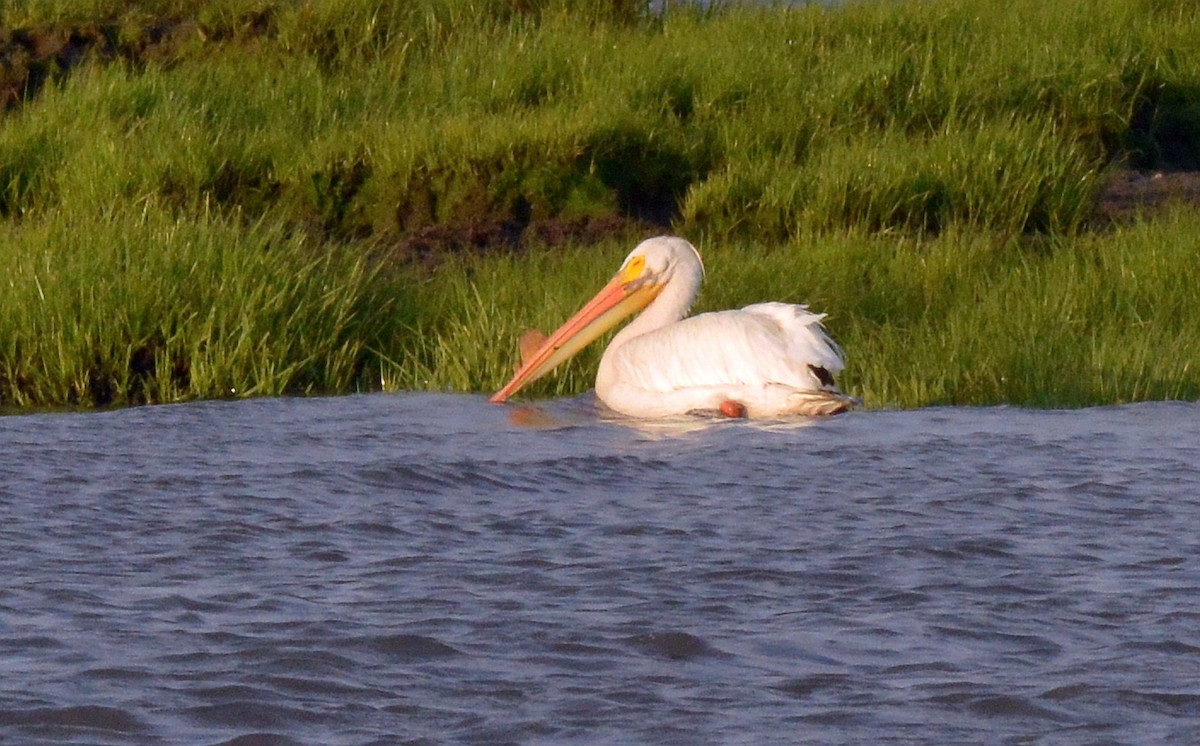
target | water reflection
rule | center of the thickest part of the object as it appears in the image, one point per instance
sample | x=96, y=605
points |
x=586, y=410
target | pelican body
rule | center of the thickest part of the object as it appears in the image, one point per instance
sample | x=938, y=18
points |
x=764, y=360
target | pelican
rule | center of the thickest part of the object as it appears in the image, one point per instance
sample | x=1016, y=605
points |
x=764, y=360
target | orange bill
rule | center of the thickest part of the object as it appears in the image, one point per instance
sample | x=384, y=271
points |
x=623, y=296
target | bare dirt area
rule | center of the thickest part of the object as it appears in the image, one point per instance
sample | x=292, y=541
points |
x=1143, y=192
x=29, y=58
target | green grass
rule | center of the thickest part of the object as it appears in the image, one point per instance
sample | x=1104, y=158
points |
x=133, y=308
x=220, y=215
x=963, y=318
x=376, y=119
x=148, y=307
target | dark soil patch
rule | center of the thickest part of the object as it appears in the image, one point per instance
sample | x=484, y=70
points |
x=1132, y=193
x=429, y=246
x=29, y=58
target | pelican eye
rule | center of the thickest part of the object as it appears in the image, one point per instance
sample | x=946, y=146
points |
x=633, y=269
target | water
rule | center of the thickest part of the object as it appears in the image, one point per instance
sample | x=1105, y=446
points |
x=435, y=569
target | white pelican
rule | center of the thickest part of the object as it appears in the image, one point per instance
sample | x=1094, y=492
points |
x=764, y=360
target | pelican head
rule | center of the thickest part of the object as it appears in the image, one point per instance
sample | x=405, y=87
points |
x=663, y=257
x=649, y=269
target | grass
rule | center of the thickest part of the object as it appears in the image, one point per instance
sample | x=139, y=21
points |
x=1070, y=323
x=150, y=308
x=216, y=200
x=962, y=318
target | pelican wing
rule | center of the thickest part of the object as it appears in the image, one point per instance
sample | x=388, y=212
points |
x=759, y=345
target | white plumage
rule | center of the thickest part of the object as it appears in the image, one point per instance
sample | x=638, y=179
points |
x=758, y=356
x=767, y=360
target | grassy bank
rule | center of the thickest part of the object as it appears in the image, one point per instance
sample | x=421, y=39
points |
x=228, y=199
x=149, y=307
x=964, y=318
x=152, y=308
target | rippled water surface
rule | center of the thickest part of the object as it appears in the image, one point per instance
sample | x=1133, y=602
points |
x=428, y=569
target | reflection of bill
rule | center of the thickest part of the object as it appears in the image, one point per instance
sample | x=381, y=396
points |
x=530, y=416
x=535, y=417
